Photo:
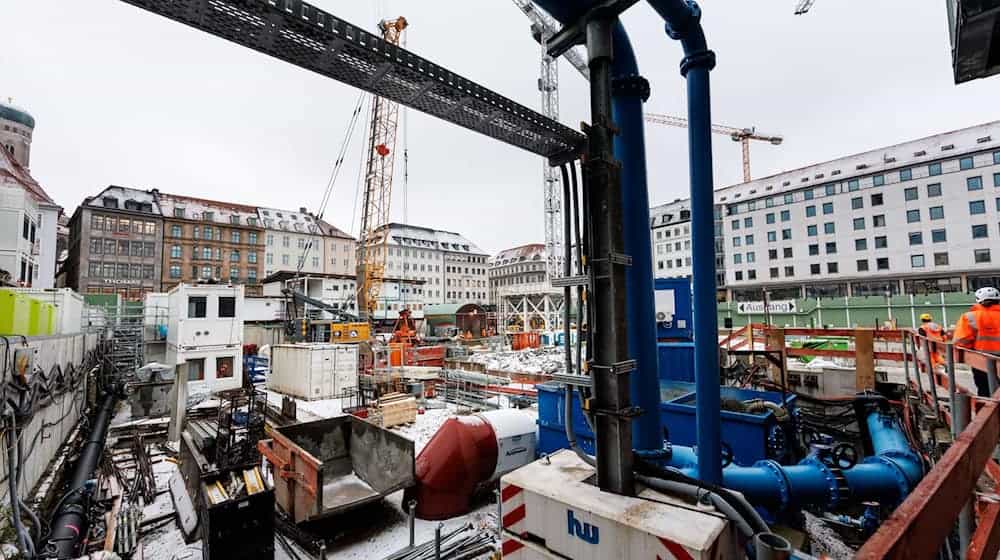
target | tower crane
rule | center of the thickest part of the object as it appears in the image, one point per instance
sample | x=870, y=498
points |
x=377, y=195
x=741, y=135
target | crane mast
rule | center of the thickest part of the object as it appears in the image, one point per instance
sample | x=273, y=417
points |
x=381, y=157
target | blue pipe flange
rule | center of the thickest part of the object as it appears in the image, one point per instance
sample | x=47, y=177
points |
x=656, y=456
x=832, y=480
x=631, y=85
x=898, y=474
x=784, y=488
x=776, y=442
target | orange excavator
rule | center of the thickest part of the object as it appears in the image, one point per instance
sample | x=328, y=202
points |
x=405, y=329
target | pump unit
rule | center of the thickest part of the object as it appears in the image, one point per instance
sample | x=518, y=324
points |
x=551, y=509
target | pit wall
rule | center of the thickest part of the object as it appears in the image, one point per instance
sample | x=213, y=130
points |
x=851, y=312
x=52, y=423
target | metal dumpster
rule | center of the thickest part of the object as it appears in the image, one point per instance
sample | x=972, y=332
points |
x=332, y=465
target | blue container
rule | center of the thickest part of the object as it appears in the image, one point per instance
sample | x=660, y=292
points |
x=676, y=361
x=752, y=437
x=679, y=328
x=546, y=339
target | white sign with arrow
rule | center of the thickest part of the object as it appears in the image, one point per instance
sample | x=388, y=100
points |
x=757, y=307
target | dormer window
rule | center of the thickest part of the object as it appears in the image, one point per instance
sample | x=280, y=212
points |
x=110, y=202
x=208, y=216
x=234, y=219
x=178, y=212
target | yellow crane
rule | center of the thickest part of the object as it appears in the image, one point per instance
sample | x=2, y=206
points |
x=377, y=194
x=741, y=135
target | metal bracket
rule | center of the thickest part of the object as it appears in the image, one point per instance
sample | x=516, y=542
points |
x=575, y=32
x=575, y=380
x=618, y=368
x=617, y=258
x=627, y=412
x=570, y=281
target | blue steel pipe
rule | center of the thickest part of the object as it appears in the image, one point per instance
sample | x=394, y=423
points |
x=888, y=475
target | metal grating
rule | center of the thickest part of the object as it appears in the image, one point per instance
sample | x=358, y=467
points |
x=306, y=36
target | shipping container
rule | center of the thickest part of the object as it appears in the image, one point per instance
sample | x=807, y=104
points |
x=313, y=371
x=14, y=310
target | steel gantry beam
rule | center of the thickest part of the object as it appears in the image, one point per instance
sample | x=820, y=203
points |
x=308, y=37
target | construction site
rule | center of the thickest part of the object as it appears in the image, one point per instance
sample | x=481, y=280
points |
x=569, y=402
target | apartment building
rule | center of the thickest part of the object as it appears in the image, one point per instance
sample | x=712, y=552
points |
x=452, y=268
x=340, y=250
x=207, y=240
x=115, y=241
x=915, y=218
x=670, y=231
x=293, y=241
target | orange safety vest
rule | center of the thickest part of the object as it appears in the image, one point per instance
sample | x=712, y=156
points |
x=979, y=329
x=933, y=330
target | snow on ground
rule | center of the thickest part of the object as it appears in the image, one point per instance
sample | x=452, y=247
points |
x=535, y=360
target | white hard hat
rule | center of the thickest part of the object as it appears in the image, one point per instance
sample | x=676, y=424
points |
x=986, y=294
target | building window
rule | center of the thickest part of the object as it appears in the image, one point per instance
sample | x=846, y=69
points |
x=748, y=240
x=940, y=259
x=772, y=254
x=788, y=198
x=175, y=271
x=937, y=212
x=917, y=261
x=234, y=236
x=251, y=275
x=881, y=242
x=859, y=224
x=739, y=275
x=810, y=211
x=980, y=231
x=861, y=244
x=789, y=271
x=175, y=252
x=751, y=257
x=252, y=257
x=831, y=190
x=787, y=252
x=769, y=203
x=811, y=230
x=910, y=193
x=831, y=247
x=857, y=202
x=285, y=241
x=735, y=225
x=939, y=236
x=904, y=175
x=981, y=256
x=736, y=242
x=934, y=169
x=996, y=179
x=828, y=208
x=284, y=259
x=234, y=256
x=786, y=215
x=829, y=227
x=196, y=369
x=814, y=269
x=977, y=207
x=916, y=238
x=912, y=216
x=197, y=307
x=752, y=274
x=206, y=272
x=862, y=264
x=974, y=183
x=882, y=263
x=748, y=222
x=738, y=258
x=878, y=180
x=933, y=190
x=252, y=238
x=227, y=306
x=996, y=158
x=965, y=163
x=769, y=217
x=773, y=272
x=832, y=268
x=853, y=185
x=178, y=212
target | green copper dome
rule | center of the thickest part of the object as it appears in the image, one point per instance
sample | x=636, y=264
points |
x=16, y=114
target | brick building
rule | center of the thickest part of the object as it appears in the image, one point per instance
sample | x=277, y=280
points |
x=210, y=240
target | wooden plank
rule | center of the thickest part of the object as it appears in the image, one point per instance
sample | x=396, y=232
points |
x=776, y=341
x=111, y=520
x=880, y=334
x=920, y=524
x=864, y=359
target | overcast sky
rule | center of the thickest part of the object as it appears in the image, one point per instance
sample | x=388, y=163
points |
x=126, y=97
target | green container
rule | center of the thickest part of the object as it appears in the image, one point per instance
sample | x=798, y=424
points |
x=53, y=312
x=13, y=313
x=34, y=317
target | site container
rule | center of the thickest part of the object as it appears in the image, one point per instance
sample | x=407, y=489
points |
x=552, y=509
x=676, y=361
x=336, y=464
x=14, y=311
x=68, y=316
x=34, y=316
x=313, y=371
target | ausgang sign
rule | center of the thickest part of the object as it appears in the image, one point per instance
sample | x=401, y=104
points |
x=757, y=307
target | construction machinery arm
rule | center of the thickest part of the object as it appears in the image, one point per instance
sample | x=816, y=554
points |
x=299, y=297
x=547, y=26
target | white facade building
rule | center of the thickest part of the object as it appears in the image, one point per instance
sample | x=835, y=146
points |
x=28, y=227
x=670, y=231
x=452, y=268
x=914, y=218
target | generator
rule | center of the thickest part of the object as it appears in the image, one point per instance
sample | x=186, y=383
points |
x=552, y=509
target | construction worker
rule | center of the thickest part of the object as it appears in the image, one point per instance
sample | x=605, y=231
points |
x=933, y=333
x=979, y=329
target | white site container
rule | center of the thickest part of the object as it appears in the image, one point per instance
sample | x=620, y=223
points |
x=69, y=306
x=313, y=371
x=553, y=501
x=205, y=331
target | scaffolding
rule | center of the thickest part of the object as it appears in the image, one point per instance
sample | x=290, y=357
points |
x=125, y=324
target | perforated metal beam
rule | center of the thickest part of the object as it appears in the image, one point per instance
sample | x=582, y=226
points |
x=306, y=36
